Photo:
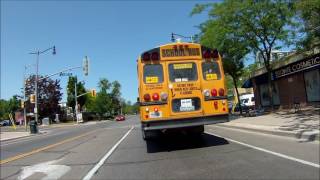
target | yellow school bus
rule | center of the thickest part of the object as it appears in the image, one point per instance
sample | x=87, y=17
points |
x=181, y=85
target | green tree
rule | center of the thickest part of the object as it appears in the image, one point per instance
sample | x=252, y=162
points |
x=10, y=106
x=70, y=92
x=216, y=34
x=103, y=103
x=116, y=96
x=308, y=12
x=49, y=96
x=258, y=25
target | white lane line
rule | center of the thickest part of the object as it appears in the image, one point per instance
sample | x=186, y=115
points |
x=270, y=152
x=105, y=157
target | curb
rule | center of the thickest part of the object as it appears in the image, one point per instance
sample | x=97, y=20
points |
x=304, y=136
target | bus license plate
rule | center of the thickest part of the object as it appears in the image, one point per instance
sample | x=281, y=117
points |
x=186, y=105
x=155, y=114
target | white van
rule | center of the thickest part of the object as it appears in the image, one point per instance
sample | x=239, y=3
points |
x=247, y=100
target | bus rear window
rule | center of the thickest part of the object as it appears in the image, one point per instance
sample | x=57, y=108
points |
x=152, y=73
x=211, y=71
x=183, y=72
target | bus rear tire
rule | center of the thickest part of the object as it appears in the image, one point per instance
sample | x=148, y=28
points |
x=149, y=135
x=196, y=130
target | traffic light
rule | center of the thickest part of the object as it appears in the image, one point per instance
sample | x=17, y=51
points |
x=22, y=104
x=32, y=98
x=85, y=66
x=93, y=93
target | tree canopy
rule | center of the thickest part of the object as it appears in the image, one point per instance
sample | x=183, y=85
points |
x=240, y=27
x=49, y=96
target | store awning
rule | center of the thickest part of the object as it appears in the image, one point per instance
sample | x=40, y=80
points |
x=247, y=84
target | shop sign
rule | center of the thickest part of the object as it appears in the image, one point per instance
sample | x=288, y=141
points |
x=297, y=66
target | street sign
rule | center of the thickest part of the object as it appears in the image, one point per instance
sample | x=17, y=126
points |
x=65, y=74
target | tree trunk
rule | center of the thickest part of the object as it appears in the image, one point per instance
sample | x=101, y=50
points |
x=238, y=97
x=270, y=89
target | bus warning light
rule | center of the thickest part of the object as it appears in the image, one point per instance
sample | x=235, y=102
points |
x=146, y=56
x=155, y=56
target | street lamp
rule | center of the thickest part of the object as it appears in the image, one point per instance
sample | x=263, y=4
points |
x=37, y=74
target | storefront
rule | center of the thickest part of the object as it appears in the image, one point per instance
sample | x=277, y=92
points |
x=297, y=81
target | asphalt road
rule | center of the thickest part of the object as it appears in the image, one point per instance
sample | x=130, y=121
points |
x=115, y=150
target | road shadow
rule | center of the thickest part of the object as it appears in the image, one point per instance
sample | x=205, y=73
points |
x=179, y=141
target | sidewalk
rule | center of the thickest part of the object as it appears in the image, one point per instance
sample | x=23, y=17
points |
x=303, y=125
x=4, y=136
x=8, y=133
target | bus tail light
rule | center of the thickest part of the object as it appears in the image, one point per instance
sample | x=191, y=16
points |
x=155, y=56
x=221, y=92
x=156, y=109
x=164, y=96
x=147, y=97
x=155, y=97
x=206, y=93
x=215, y=104
x=214, y=92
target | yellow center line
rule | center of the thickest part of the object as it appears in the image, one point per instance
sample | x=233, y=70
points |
x=43, y=148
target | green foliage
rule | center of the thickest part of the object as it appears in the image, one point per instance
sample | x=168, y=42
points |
x=7, y=107
x=70, y=92
x=308, y=12
x=103, y=99
x=107, y=102
x=129, y=108
x=238, y=27
x=49, y=96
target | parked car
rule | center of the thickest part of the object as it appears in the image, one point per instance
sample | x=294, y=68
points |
x=248, y=100
x=5, y=123
x=120, y=118
x=243, y=107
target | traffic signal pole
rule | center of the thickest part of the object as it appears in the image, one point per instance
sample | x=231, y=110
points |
x=76, y=99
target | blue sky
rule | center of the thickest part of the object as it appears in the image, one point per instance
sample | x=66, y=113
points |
x=111, y=33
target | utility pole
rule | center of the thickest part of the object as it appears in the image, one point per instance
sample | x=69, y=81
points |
x=36, y=89
x=37, y=77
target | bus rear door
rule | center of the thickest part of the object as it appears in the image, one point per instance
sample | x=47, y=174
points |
x=184, y=89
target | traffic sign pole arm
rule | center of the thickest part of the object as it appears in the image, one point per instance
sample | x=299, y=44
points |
x=83, y=94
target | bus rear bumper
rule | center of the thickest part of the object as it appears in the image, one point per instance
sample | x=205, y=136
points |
x=187, y=122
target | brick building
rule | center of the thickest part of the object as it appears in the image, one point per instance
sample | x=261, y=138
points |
x=296, y=80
